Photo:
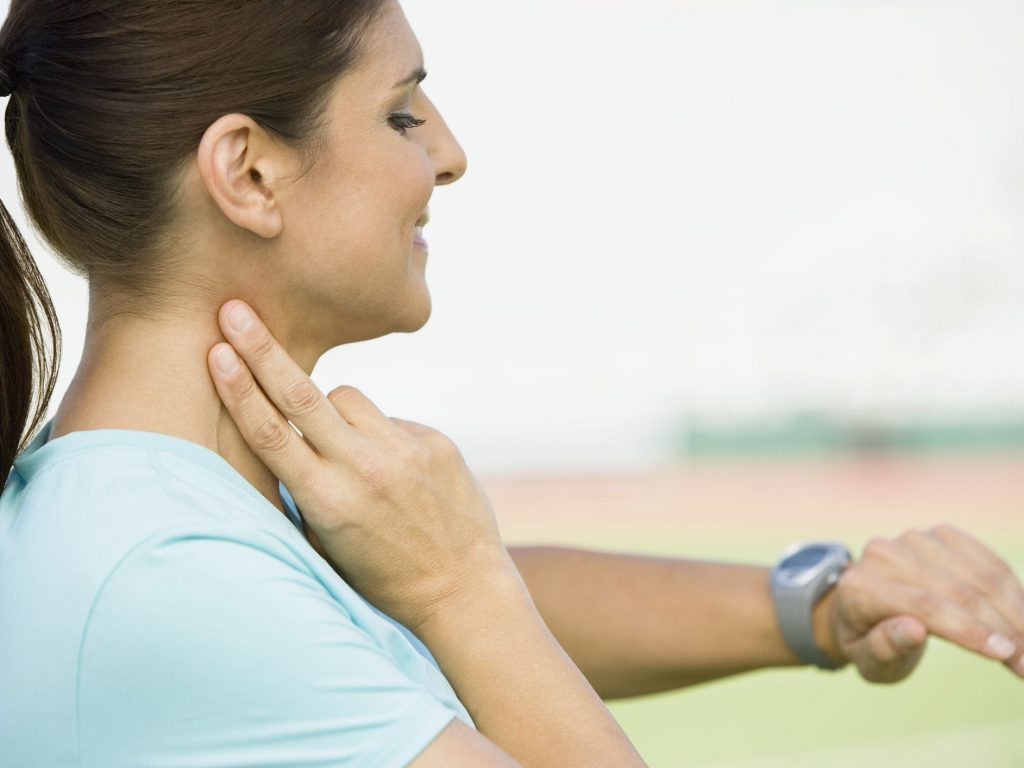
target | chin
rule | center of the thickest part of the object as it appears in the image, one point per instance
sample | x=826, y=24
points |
x=416, y=317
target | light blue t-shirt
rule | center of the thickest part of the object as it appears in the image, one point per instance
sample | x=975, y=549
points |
x=157, y=611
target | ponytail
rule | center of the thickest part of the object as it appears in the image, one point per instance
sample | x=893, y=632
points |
x=22, y=344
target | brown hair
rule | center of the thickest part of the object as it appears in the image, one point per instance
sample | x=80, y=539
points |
x=110, y=100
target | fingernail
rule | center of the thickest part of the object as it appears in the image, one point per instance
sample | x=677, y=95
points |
x=240, y=318
x=901, y=638
x=227, y=360
x=1000, y=646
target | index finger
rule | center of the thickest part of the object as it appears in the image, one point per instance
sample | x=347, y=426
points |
x=270, y=389
x=261, y=425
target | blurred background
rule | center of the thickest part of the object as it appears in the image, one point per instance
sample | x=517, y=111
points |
x=724, y=275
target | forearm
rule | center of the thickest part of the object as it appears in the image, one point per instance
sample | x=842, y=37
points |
x=636, y=624
x=520, y=687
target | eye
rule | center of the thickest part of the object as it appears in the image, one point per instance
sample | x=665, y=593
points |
x=403, y=122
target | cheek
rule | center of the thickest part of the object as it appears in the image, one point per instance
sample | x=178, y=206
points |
x=408, y=184
x=427, y=180
x=351, y=223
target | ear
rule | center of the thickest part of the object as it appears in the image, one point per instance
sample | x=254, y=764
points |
x=239, y=165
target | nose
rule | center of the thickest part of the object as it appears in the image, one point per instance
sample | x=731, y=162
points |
x=449, y=158
x=454, y=165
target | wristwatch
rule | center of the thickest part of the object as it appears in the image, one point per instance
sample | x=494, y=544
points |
x=800, y=579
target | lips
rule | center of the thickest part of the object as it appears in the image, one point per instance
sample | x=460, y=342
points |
x=417, y=233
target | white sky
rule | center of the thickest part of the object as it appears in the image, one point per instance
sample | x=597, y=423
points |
x=728, y=208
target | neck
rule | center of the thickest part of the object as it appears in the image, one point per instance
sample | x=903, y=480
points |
x=151, y=375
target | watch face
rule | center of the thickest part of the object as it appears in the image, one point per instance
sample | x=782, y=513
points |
x=805, y=558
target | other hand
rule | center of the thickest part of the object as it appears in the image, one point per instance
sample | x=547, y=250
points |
x=941, y=581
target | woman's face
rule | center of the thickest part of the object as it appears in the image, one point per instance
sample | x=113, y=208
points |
x=351, y=267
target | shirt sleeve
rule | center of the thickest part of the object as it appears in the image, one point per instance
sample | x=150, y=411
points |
x=211, y=651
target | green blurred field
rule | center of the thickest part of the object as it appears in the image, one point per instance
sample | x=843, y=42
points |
x=958, y=709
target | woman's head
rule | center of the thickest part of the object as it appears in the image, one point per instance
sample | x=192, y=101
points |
x=178, y=153
x=325, y=251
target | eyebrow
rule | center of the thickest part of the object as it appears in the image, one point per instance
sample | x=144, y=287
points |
x=417, y=77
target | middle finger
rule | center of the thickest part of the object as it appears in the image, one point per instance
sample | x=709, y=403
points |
x=285, y=384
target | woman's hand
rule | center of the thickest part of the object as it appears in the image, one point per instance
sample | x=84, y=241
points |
x=941, y=581
x=391, y=502
x=404, y=520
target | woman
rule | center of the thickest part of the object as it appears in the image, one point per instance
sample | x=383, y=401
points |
x=162, y=599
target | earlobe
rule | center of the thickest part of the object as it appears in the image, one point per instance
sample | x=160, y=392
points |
x=237, y=176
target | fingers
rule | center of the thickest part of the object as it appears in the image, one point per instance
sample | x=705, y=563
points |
x=970, y=560
x=872, y=599
x=290, y=395
x=359, y=411
x=991, y=575
x=965, y=572
x=260, y=423
x=891, y=650
x=905, y=633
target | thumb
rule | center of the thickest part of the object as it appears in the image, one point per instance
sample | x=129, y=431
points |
x=891, y=650
x=906, y=633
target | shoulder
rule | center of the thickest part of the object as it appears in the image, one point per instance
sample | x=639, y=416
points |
x=187, y=621
x=212, y=645
x=89, y=526
x=118, y=495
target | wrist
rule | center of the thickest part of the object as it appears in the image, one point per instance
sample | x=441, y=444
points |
x=824, y=619
x=494, y=585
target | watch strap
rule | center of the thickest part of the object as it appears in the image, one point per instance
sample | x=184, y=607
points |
x=796, y=619
x=794, y=606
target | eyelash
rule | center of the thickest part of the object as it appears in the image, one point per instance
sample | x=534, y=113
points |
x=404, y=122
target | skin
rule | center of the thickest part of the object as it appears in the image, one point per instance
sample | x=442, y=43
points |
x=636, y=624
x=630, y=624
x=327, y=258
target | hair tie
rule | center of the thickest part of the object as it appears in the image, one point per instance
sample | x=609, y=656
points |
x=6, y=83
